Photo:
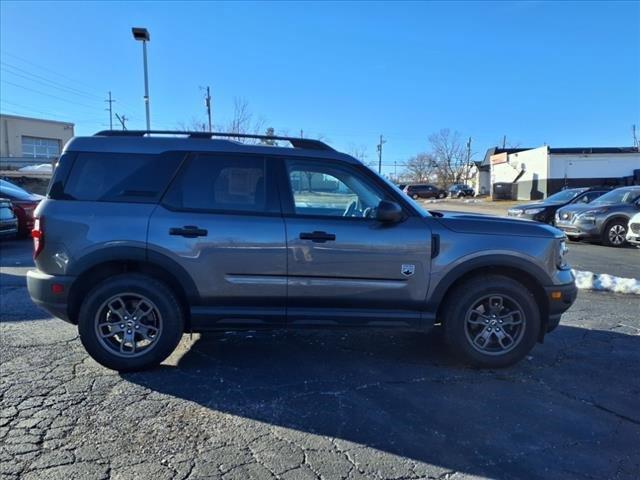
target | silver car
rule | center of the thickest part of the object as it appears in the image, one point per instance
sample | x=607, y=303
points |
x=144, y=236
x=605, y=219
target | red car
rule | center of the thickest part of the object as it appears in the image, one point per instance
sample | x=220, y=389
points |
x=24, y=203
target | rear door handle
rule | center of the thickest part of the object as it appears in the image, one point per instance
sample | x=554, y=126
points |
x=317, y=237
x=188, y=231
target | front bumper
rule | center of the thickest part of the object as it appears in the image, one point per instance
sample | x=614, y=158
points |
x=41, y=289
x=579, y=229
x=633, y=237
x=560, y=297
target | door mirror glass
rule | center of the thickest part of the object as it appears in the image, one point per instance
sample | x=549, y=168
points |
x=388, y=212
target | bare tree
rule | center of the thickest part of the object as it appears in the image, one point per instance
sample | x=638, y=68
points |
x=452, y=158
x=195, y=124
x=420, y=167
x=359, y=152
x=243, y=121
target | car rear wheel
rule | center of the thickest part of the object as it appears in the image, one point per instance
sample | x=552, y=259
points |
x=130, y=322
x=491, y=322
x=441, y=195
x=614, y=234
x=415, y=196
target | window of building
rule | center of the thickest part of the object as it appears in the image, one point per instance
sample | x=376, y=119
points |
x=40, y=147
x=214, y=183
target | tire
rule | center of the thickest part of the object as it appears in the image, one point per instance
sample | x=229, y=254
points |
x=441, y=195
x=161, y=320
x=415, y=196
x=463, y=323
x=614, y=233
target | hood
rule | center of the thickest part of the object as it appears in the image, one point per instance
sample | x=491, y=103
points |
x=490, y=225
x=538, y=204
x=578, y=208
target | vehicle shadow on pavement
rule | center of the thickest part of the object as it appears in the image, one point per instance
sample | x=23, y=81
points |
x=565, y=412
x=15, y=304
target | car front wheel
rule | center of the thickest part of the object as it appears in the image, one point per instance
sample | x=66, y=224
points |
x=130, y=322
x=491, y=321
x=615, y=233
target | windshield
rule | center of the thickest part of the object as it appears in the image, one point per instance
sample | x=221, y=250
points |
x=565, y=195
x=13, y=186
x=617, y=196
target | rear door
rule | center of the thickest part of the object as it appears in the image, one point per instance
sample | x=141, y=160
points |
x=345, y=267
x=220, y=221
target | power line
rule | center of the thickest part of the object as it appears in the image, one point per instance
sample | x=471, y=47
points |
x=49, y=95
x=55, y=84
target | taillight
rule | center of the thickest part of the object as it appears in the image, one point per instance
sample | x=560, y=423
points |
x=38, y=236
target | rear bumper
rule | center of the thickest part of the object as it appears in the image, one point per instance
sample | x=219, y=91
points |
x=561, y=297
x=40, y=287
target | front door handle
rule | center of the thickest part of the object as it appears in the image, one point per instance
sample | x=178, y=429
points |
x=188, y=231
x=317, y=237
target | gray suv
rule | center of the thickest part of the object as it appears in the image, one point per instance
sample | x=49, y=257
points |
x=605, y=219
x=146, y=235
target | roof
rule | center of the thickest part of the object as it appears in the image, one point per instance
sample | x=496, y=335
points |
x=160, y=144
x=33, y=119
x=558, y=151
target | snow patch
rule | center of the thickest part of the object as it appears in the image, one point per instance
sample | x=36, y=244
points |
x=607, y=283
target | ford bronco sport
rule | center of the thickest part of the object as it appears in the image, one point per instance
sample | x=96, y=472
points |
x=146, y=235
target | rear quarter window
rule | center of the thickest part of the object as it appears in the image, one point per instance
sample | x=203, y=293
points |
x=120, y=177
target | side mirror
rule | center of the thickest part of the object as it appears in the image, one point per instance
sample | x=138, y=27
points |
x=388, y=212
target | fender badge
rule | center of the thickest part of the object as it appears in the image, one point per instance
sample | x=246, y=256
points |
x=408, y=270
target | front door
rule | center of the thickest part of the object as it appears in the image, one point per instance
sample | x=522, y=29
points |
x=220, y=221
x=344, y=266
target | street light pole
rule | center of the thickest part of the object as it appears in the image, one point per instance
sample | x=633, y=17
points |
x=146, y=84
x=142, y=35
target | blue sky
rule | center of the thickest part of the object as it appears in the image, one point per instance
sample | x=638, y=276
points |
x=566, y=74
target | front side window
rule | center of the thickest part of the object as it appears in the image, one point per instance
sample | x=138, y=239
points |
x=331, y=191
x=217, y=183
x=40, y=147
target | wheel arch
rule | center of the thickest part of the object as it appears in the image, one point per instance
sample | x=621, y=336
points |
x=526, y=273
x=118, y=260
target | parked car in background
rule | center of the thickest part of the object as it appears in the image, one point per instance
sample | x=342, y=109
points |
x=24, y=203
x=460, y=190
x=605, y=219
x=423, y=190
x=633, y=230
x=545, y=210
x=8, y=219
x=143, y=237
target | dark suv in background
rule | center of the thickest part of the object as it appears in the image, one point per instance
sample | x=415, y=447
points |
x=460, y=190
x=145, y=236
x=605, y=219
x=423, y=190
x=545, y=210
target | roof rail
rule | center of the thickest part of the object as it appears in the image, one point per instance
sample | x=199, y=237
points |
x=296, y=142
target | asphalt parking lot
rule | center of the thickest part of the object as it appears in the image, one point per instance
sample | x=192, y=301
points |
x=323, y=405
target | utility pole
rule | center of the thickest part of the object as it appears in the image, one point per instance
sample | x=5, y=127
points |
x=636, y=143
x=382, y=142
x=504, y=142
x=122, y=119
x=110, y=101
x=301, y=133
x=207, y=103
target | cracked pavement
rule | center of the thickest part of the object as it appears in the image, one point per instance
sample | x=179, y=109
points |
x=318, y=405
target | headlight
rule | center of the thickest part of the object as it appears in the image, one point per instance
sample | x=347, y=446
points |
x=561, y=261
x=515, y=211
x=533, y=211
x=590, y=215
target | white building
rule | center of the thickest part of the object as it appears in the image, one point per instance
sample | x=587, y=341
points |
x=538, y=172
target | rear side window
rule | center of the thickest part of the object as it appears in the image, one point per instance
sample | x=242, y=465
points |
x=120, y=177
x=220, y=183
